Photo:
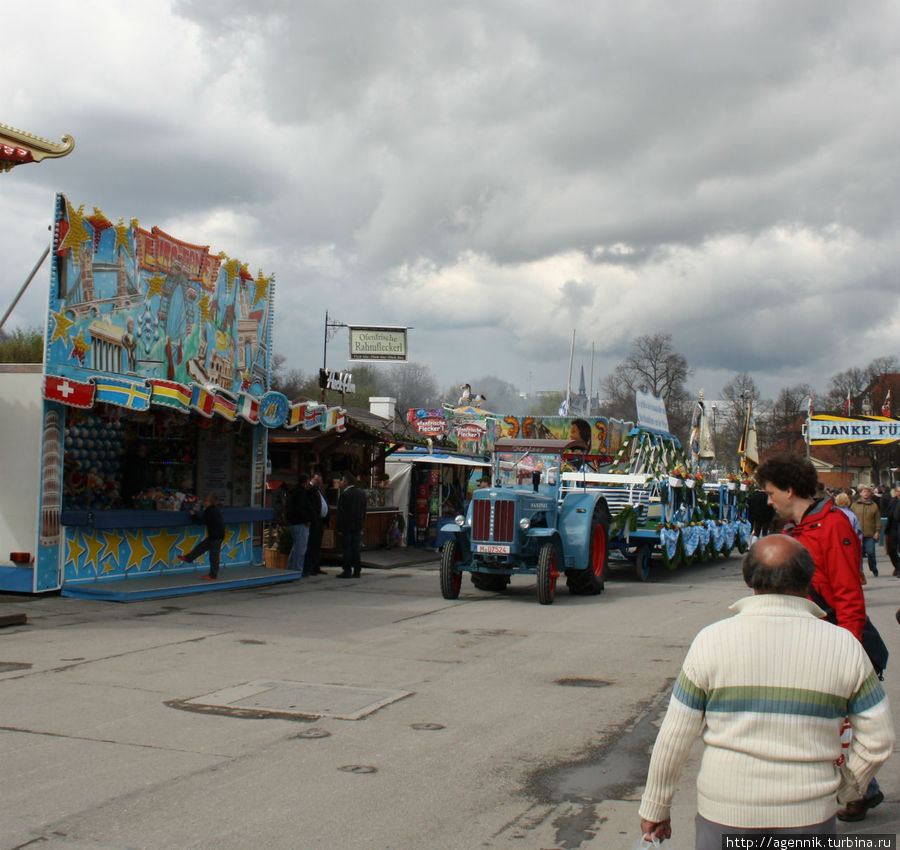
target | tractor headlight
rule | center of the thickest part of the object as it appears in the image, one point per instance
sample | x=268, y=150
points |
x=524, y=523
x=460, y=520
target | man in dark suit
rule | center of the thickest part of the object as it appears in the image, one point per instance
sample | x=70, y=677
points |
x=319, y=520
x=350, y=523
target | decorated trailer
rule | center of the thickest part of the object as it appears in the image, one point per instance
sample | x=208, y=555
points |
x=658, y=507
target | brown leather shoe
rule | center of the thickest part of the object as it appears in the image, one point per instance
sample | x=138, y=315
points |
x=856, y=809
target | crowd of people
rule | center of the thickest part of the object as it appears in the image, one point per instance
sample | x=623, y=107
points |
x=787, y=693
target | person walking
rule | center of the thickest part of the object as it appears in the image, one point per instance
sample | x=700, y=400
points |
x=892, y=531
x=319, y=511
x=211, y=517
x=769, y=689
x=791, y=482
x=351, y=519
x=299, y=519
x=869, y=515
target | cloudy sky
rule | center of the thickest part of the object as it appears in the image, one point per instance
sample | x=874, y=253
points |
x=493, y=174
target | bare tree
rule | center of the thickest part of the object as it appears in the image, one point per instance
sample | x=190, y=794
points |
x=654, y=367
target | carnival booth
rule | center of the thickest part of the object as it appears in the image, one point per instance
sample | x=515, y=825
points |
x=154, y=396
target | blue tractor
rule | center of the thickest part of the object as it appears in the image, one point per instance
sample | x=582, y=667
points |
x=524, y=524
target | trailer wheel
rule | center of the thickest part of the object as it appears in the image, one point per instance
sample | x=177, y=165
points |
x=547, y=574
x=451, y=580
x=642, y=563
x=490, y=582
x=589, y=581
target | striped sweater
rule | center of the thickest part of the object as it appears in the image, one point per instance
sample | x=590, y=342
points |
x=768, y=690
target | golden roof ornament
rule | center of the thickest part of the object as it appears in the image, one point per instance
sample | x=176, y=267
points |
x=18, y=147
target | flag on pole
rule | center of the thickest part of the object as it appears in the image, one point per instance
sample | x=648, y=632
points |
x=748, y=450
x=847, y=404
x=886, y=407
x=809, y=408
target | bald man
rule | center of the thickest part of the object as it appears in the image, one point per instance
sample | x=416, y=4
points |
x=770, y=689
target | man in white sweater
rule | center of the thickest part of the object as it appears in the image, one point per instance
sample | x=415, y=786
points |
x=769, y=690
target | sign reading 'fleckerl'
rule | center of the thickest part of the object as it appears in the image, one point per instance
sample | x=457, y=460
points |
x=367, y=343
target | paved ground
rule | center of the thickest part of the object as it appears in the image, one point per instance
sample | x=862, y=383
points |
x=227, y=720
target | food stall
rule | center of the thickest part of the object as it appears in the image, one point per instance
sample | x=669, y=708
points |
x=431, y=488
x=361, y=448
x=155, y=394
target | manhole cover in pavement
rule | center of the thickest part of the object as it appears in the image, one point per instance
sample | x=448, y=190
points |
x=305, y=699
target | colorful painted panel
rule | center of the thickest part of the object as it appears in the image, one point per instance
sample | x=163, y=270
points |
x=474, y=430
x=92, y=554
x=143, y=304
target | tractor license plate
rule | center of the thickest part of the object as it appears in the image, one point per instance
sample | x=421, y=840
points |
x=492, y=548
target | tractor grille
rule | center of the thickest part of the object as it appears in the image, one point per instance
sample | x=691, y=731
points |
x=494, y=520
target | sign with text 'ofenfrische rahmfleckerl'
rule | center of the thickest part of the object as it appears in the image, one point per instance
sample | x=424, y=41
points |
x=833, y=430
x=381, y=343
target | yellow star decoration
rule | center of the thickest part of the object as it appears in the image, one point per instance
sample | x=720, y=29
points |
x=156, y=284
x=122, y=240
x=137, y=550
x=204, y=307
x=110, y=553
x=189, y=541
x=243, y=535
x=77, y=233
x=163, y=544
x=63, y=324
x=93, y=545
x=80, y=345
x=74, y=551
x=232, y=269
x=262, y=287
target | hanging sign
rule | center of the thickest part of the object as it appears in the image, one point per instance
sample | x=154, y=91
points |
x=382, y=343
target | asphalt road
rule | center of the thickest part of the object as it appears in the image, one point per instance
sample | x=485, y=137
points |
x=226, y=720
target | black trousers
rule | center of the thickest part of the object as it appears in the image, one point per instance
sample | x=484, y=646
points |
x=214, y=547
x=313, y=549
x=891, y=542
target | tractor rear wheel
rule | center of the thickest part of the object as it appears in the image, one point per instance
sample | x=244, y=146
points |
x=589, y=581
x=490, y=582
x=451, y=580
x=547, y=574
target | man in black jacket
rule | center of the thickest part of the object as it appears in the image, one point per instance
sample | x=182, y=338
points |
x=892, y=530
x=299, y=520
x=319, y=508
x=352, y=504
x=211, y=517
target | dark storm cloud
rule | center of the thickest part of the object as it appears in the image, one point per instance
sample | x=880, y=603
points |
x=724, y=172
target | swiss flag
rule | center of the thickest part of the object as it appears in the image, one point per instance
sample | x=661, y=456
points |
x=67, y=391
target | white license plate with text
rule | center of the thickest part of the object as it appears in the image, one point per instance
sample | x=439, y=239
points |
x=492, y=548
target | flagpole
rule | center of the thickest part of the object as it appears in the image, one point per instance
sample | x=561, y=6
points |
x=569, y=384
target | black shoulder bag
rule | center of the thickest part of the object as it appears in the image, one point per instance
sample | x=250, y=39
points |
x=871, y=640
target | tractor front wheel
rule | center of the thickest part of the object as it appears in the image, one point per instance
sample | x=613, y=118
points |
x=547, y=574
x=451, y=579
